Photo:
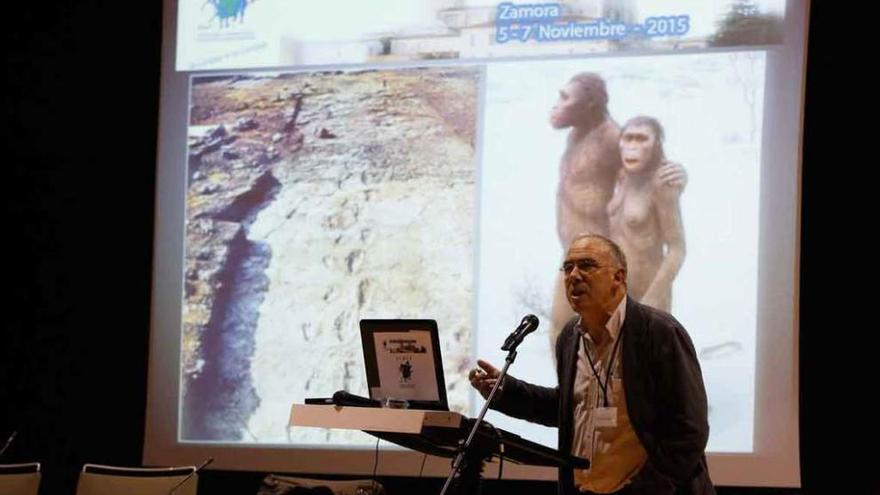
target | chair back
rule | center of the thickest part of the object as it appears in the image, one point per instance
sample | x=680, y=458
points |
x=20, y=479
x=96, y=479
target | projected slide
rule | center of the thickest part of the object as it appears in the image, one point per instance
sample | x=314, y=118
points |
x=432, y=160
x=318, y=199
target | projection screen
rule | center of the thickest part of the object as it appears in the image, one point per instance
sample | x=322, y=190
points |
x=321, y=163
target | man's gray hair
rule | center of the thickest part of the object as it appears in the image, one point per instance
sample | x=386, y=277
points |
x=612, y=246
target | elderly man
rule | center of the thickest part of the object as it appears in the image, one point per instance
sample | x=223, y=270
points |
x=630, y=396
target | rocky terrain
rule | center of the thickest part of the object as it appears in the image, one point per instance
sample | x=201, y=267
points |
x=315, y=200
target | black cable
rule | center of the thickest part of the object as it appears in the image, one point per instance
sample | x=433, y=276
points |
x=501, y=457
x=421, y=469
x=376, y=466
x=500, y=447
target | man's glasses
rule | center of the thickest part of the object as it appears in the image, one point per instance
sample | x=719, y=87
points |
x=585, y=266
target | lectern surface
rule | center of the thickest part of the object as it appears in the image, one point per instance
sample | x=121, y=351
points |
x=432, y=432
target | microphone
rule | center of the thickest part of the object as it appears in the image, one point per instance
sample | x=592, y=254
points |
x=8, y=442
x=209, y=460
x=528, y=325
x=343, y=398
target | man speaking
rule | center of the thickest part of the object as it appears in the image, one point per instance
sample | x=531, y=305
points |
x=630, y=396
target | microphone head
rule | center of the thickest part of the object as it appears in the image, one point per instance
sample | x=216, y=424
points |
x=339, y=396
x=529, y=324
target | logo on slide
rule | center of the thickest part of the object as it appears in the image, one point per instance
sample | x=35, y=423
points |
x=227, y=11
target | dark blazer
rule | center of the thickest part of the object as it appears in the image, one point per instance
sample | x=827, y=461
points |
x=665, y=398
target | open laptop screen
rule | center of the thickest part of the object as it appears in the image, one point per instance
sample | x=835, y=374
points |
x=402, y=361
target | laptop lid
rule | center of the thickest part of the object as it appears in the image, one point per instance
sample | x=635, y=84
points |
x=402, y=361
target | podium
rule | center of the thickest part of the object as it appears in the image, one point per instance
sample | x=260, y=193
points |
x=437, y=433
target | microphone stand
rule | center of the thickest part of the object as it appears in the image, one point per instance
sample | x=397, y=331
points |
x=190, y=475
x=473, y=463
x=8, y=442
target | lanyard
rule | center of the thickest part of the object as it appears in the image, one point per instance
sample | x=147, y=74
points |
x=608, y=372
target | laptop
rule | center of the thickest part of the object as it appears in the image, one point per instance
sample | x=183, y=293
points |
x=403, y=363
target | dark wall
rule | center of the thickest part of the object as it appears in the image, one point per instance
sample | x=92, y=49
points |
x=82, y=90
x=82, y=102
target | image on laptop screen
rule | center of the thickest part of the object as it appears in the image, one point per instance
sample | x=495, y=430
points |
x=403, y=363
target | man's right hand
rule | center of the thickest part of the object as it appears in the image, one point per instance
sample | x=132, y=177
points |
x=484, y=377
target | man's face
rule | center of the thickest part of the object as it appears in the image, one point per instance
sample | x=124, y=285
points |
x=593, y=278
x=637, y=145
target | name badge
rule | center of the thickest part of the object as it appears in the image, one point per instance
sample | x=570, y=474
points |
x=605, y=417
